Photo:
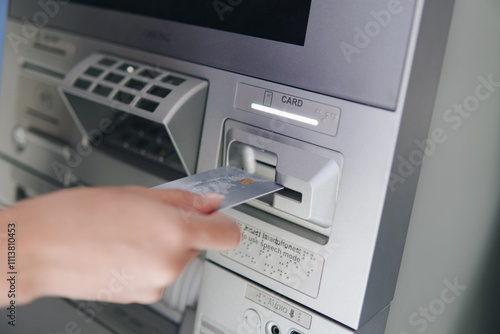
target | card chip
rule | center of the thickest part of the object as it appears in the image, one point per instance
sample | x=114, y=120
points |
x=246, y=181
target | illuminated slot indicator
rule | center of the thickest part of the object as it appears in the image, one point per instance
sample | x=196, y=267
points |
x=285, y=114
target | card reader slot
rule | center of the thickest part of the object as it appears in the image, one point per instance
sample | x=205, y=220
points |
x=291, y=194
x=262, y=163
x=310, y=183
x=264, y=170
x=268, y=172
x=285, y=192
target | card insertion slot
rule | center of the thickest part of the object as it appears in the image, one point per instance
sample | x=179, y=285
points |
x=310, y=183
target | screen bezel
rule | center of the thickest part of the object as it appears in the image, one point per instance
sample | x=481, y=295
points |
x=277, y=20
x=372, y=78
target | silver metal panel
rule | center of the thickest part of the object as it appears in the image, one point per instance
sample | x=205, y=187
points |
x=368, y=140
x=354, y=50
x=250, y=308
x=421, y=91
x=225, y=293
x=362, y=249
x=454, y=228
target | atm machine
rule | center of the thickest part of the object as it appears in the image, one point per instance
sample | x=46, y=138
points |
x=330, y=99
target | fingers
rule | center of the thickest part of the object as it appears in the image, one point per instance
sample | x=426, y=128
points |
x=202, y=203
x=204, y=231
x=214, y=231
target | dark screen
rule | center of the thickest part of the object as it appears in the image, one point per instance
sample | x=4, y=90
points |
x=278, y=20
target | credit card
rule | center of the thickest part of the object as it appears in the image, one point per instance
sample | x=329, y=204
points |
x=236, y=185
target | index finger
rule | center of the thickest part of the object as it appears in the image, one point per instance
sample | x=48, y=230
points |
x=202, y=203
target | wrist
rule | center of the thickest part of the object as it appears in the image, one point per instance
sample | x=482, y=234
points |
x=17, y=283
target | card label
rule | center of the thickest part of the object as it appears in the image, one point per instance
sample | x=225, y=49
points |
x=278, y=306
x=279, y=259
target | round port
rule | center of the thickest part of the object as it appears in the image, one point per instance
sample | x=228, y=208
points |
x=272, y=328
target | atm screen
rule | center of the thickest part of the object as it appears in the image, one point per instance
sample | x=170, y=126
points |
x=278, y=20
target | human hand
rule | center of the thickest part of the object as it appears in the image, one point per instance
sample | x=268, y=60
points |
x=127, y=241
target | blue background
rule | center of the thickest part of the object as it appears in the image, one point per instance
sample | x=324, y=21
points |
x=3, y=11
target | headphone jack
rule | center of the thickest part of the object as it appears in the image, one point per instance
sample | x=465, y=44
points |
x=272, y=328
